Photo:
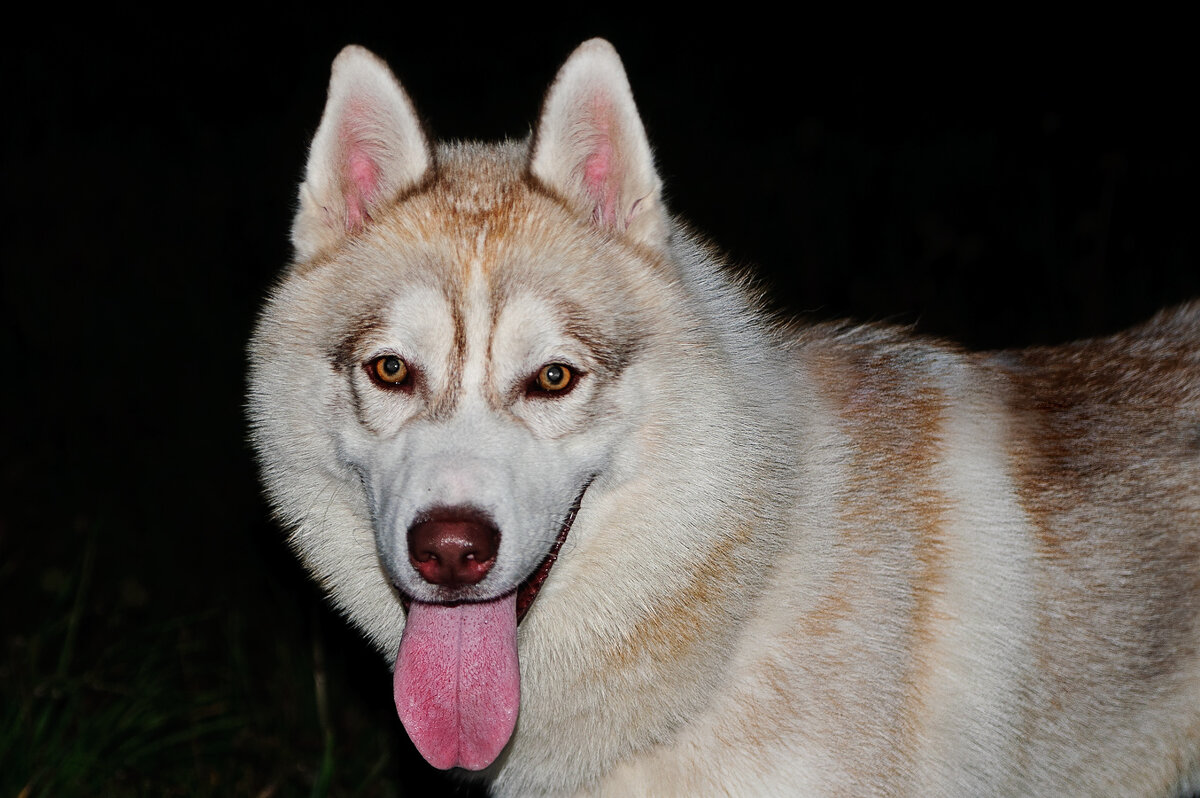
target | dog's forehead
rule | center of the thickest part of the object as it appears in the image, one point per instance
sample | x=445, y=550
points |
x=476, y=196
x=479, y=244
x=473, y=308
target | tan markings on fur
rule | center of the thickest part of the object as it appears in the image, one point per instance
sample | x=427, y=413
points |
x=774, y=711
x=330, y=255
x=443, y=405
x=654, y=257
x=891, y=412
x=461, y=220
x=611, y=355
x=343, y=356
x=303, y=267
x=670, y=633
x=1105, y=440
x=463, y=205
x=465, y=223
x=452, y=206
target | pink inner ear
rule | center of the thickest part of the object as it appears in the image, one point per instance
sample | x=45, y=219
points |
x=362, y=181
x=361, y=172
x=599, y=180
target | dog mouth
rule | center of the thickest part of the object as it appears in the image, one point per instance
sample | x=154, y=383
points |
x=456, y=681
x=528, y=589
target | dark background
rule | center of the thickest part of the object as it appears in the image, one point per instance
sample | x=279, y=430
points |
x=157, y=637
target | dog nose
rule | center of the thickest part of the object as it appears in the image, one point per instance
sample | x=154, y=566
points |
x=453, y=546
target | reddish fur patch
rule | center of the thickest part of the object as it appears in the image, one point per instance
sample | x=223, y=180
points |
x=1104, y=454
x=685, y=628
x=892, y=414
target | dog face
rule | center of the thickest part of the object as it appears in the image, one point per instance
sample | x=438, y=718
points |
x=482, y=382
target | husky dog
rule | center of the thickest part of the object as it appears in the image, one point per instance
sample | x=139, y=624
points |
x=624, y=533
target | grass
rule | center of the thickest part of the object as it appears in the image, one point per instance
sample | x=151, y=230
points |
x=121, y=714
x=263, y=696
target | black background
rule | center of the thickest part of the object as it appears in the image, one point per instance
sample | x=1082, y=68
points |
x=983, y=186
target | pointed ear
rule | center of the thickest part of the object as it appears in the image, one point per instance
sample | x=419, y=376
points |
x=591, y=149
x=369, y=147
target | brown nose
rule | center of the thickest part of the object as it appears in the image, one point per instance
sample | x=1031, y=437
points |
x=453, y=546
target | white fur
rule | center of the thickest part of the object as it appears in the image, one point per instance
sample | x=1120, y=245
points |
x=821, y=561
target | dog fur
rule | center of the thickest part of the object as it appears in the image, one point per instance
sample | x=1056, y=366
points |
x=801, y=560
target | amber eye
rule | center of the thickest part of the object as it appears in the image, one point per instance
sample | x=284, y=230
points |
x=389, y=370
x=554, y=378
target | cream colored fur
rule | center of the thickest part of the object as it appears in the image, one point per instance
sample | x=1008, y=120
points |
x=829, y=560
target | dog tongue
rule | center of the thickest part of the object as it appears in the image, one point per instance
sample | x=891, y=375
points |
x=457, y=684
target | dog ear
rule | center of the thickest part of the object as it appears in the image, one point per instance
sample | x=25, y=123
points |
x=591, y=150
x=368, y=148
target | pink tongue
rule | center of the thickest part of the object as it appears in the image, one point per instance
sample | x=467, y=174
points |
x=457, y=684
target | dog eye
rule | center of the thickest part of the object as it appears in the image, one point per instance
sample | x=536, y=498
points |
x=388, y=371
x=553, y=378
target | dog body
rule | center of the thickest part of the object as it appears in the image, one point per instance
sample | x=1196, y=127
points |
x=767, y=560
